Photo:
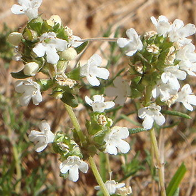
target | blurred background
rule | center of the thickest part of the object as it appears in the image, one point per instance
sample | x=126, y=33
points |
x=25, y=172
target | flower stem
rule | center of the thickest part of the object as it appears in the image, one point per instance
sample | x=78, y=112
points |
x=82, y=138
x=103, y=39
x=160, y=165
x=98, y=177
x=75, y=122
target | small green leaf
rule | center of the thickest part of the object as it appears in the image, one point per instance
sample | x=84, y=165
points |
x=74, y=74
x=19, y=75
x=69, y=99
x=80, y=48
x=45, y=84
x=136, y=130
x=175, y=181
x=176, y=113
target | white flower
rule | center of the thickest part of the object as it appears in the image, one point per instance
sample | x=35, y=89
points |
x=71, y=165
x=49, y=45
x=120, y=90
x=150, y=114
x=186, y=97
x=30, y=69
x=171, y=75
x=187, y=57
x=179, y=32
x=29, y=89
x=112, y=186
x=98, y=103
x=114, y=140
x=133, y=44
x=92, y=70
x=162, y=25
x=28, y=7
x=42, y=138
x=165, y=91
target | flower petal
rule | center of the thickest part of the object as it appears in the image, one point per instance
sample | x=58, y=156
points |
x=74, y=173
x=39, y=50
x=17, y=9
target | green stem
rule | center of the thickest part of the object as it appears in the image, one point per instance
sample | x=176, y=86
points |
x=103, y=39
x=82, y=138
x=98, y=177
x=160, y=165
x=75, y=122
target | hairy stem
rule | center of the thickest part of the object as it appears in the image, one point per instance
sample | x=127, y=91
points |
x=103, y=39
x=75, y=122
x=98, y=177
x=159, y=164
x=82, y=138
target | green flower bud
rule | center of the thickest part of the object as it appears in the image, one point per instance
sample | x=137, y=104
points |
x=31, y=69
x=69, y=54
x=14, y=38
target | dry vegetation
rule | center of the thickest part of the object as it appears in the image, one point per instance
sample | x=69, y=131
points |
x=91, y=19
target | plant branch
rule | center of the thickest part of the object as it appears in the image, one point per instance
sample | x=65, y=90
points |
x=98, y=177
x=82, y=138
x=160, y=165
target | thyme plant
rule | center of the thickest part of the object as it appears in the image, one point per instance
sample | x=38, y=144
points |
x=159, y=61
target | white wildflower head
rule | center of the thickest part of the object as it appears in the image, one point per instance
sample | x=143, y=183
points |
x=49, y=44
x=112, y=186
x=150, y=114
x=42, y=138
x=171, y=76
x=162, y=25
x=164, y=90
x=120, y=90
x=72, y=165
x=98, y=103
x=92, y=70
x=30, y=69
x=114, y=140
x=133, y=43
x=28, y=7
x=187, y=57
x=178, y=32
x=29, y=90
x=186, y=97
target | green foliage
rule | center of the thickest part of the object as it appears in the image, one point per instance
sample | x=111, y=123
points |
x=6, y=49
x=175, y=181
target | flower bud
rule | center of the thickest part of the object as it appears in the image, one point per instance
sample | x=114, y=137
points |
x=31, y=69
x=14, y=38
x=54, y=19
x=69, y=54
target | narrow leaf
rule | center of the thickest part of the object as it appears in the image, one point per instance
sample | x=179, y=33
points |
x=136, y=130
x=19, y=75
x=175, y=113
x=175, y=181
x=80, y=48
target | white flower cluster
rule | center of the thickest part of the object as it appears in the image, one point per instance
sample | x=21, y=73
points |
x=28, y=7
x=168, y=87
